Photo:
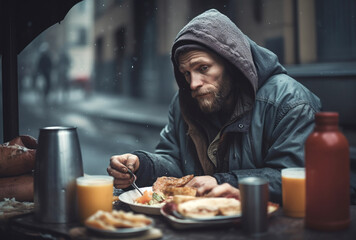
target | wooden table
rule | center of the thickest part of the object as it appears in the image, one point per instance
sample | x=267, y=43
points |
x=280, y=227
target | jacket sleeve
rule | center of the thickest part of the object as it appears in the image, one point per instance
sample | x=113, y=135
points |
x=165, y=161
x=284, y=147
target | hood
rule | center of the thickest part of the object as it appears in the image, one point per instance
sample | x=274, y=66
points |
x=218, y=33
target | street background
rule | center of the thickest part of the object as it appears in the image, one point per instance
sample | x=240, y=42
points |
x=106, y=67
x=106, y=125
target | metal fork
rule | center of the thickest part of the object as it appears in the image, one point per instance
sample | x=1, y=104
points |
x=134, y=181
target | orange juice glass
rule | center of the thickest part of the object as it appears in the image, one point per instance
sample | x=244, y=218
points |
x=293, y=192
x=95, y=193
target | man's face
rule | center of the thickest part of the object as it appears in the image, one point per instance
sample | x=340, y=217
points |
x=208, y=79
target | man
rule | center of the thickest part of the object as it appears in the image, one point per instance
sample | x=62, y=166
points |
x=237, y=113
x=44, y=68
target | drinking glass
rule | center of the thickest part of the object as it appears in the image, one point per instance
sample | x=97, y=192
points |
x=95, y=192
x=293, y=192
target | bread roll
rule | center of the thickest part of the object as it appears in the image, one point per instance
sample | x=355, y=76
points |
x=18, y=187
x=17, y=157
x=208, y=207
x=177, y=199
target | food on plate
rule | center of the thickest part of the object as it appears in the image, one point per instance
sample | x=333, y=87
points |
x=145, y=198
x=209, y=207
x=9, y=207
x=117, y=219
x=164, y=188
x=183, y=198
x=205, y=207
x=115, y=198
x=272, y=207
x=163, y=182
x=172, y=191
x=150, y=198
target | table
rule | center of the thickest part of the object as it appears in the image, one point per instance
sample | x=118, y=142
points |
x=280, y=227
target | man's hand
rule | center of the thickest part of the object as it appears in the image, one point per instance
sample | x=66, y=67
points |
x=118, y=169
x=203, y=184
x=224, y=190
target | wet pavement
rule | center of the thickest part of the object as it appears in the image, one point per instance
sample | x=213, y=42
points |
x=106, y=124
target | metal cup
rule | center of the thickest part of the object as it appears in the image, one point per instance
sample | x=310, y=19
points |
x=254, y=199
x=58, y=164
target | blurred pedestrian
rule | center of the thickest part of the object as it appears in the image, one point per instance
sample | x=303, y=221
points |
x=63, y=68
x=44, y=69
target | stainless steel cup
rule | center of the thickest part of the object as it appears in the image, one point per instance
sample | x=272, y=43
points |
x=254, y=199
x=58, y=164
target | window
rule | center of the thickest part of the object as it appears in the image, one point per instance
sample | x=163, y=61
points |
x=336, y=30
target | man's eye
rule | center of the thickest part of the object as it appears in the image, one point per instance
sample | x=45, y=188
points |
x=186, y=74
x=204, y=68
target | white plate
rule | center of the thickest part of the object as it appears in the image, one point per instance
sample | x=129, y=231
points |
x=213, y=218
x=122, y=232
x=192, y=223
x=130, y=196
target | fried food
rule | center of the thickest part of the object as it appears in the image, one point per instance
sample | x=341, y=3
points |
x=117, y=219
x=163, y=182
x=164, y=188
x=172, y=191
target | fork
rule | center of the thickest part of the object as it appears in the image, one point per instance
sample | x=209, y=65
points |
x=134, y=181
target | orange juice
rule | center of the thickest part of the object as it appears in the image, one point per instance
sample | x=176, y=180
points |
x=94, y=193
x=293, y=192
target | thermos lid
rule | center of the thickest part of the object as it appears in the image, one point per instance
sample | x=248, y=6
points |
x=58, y=128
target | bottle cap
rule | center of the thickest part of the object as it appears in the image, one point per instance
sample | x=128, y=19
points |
x=327, y=118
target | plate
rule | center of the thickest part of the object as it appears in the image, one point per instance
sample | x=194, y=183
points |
x=122, y=232
x=213, y=218
x=187, y=223
x=130, y=196
x=218, y=221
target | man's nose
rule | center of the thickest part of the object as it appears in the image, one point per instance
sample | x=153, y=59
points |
x=195, y=81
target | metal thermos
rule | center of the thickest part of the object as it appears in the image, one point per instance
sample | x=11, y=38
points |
x=58, y=164
x=254, y=202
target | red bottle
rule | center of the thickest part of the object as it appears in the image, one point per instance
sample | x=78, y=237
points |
x=327, y=166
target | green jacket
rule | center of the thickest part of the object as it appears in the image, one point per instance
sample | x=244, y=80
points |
x=274, y=115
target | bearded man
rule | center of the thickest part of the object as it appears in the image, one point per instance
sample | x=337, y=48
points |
x=237, y=113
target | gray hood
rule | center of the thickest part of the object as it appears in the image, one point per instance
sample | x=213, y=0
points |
x=217, y=32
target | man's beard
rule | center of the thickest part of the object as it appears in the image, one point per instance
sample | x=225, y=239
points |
x=216, y=100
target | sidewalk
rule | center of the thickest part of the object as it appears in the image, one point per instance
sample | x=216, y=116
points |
x=121, y=109
x=111, y=107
